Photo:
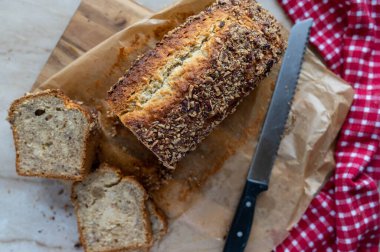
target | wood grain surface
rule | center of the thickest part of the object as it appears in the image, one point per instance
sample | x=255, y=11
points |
x=93, y=22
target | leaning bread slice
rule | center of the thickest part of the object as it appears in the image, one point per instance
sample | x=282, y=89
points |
x=111, y=212
x=157, y=220
x=53, y=136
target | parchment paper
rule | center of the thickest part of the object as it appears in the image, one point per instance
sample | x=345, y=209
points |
x=200, y=196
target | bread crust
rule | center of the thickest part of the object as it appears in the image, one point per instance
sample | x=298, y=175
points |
x=148, y=228
x=174, y=95
x=90, y=139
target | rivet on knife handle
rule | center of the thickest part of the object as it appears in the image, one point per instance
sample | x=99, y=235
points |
x=270, y=137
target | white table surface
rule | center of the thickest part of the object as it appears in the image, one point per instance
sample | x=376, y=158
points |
x=36, y=214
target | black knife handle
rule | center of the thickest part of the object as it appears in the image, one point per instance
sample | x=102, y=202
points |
x=241, y=225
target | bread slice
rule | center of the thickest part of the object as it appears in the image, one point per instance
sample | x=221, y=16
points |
x=111, y=212
x=174, y=95
x=53, y=136
x=159, y=224
x=158, y=221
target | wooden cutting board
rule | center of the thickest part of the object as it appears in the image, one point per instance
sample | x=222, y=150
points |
x=93, y=22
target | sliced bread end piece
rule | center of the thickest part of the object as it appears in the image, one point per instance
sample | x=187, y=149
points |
x=159, y=225
x=158, y=221
x=111, y=212
x=52, y=135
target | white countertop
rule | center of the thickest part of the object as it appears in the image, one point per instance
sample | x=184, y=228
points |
x=36, y=214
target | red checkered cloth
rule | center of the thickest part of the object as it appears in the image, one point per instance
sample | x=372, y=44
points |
x=344, y=216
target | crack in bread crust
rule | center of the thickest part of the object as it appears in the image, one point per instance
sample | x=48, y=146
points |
x=158, y=86
x=243, y=43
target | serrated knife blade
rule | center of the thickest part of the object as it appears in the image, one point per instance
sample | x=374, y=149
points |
x=274, y=124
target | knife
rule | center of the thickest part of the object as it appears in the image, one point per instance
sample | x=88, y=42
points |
x=270, y=137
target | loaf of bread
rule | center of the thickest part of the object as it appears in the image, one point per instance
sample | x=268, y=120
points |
x=174, y=95
x=53, y=136
x=111, y=212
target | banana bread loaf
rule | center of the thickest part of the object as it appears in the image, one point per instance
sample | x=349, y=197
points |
x=174, y=95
